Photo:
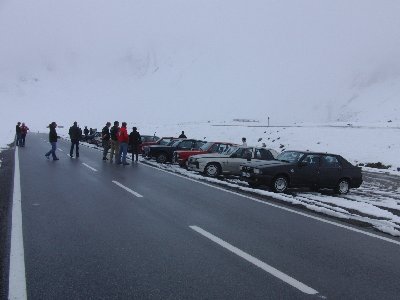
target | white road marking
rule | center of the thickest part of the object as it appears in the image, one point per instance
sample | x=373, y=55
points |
x=267, y=268
x=17, y=281
x=127, y=189
x=91, y=168
x=281, y=207
x=60, y=150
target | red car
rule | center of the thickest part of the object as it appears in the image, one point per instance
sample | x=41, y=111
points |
x=181, y=156
x=159, y=141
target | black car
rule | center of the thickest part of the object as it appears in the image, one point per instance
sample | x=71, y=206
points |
x=164, y=153
x=303, y=169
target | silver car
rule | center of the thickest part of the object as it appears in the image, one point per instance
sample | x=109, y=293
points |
x=229, y=161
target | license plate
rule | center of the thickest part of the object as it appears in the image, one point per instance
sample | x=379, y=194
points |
x=245, y=174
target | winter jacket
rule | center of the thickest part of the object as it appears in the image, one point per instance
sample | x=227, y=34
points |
x=53, y=135
x=75, y=133
x=24, y=129
x=105, y=134
x=134, y=138
x=123, y=136
x=182, y=136
x=17, y=129
x=114, y=133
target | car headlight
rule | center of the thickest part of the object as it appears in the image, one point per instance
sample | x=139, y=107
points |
x=257, y=171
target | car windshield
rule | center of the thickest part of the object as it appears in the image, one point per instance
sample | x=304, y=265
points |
x=230, y=150
x=290, y=156
x=174, y=143
x=206, y=146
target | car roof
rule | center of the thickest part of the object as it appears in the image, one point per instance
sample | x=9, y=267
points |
x=313, y=152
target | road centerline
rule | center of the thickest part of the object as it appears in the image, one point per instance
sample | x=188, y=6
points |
x=127, y=189
x=89, y=167
x=262, y=265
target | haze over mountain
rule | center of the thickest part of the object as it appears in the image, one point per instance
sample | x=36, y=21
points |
x=182, y=60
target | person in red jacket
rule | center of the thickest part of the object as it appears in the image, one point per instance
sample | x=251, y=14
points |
x=123, y=139
x=24, y=131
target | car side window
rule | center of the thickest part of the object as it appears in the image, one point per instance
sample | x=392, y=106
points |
x=198, y=144
x=312, y=160
x=247, y=152
x=329, y=161
x=263, y=154
x=222, y=148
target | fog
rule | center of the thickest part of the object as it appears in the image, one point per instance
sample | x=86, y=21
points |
x=183, y=60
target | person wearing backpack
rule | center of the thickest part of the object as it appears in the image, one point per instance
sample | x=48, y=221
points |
x=135, y=141
x=114, y=141
x=123, y=139
x=75, y=134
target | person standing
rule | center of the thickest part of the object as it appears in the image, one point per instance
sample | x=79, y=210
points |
x=135, y=141
x=114, y=140
x=53, y=141
x=18, y=134
x=75, y=135
x=105, y=135
x=182, y=136
x=24, y=131
x=123, y=139
x=244, y=143
x=86, y=132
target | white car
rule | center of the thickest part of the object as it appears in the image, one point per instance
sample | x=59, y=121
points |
x=229, y=161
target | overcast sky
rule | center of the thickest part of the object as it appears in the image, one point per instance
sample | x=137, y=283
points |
x=192, y=60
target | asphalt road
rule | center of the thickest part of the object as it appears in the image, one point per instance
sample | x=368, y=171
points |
x=87, y=237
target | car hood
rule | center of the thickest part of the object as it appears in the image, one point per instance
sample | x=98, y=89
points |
x=256, y=163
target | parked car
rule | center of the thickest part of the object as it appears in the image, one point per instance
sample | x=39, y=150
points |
x=146, y=140
x=181, y=156
x=160, y=141
x=303, y=169
x=163, y=153
x=228, y=162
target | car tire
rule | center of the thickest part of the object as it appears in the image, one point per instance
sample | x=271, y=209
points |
x=280, y=184
x=161, y=158
x=343, y=186
x=212, y=170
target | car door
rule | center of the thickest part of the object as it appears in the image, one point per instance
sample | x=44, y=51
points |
x=240, y=157
x=331, y=171
x=306, y=172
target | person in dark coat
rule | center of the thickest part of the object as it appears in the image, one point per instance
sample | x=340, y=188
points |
x=135, y=141
x=114, y=140
x=105, y=135
x=182, y=136
x=53, y=137
x=86, y=132
x=18, y=134
x=75, y=134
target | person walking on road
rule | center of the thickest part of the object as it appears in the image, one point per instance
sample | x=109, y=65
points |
x=182, y=136
x=24, y=131
x=123, y=139
x=53, y=141
x=75, y=134
x=114, y=141
x=135, y=141
x=105, y=135
x=18, y=134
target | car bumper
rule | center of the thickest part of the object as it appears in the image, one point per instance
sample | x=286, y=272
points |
x=256, y=178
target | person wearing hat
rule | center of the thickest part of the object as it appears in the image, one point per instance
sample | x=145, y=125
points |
x=75, y=134
x=53, y=141
x=135, y=140
x=105, y=135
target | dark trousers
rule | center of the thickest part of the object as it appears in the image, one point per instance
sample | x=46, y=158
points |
x=18, y=139
x=135, y=151
x=106, y=147
x=23, y=136
x=76, y=144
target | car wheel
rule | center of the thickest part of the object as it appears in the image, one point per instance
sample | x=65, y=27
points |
x=280, y=184
x=343, y=186
x=161, y=158
x=212, y=170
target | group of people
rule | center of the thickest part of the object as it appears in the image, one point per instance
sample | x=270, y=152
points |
x=116, y=140
x=20, y=134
